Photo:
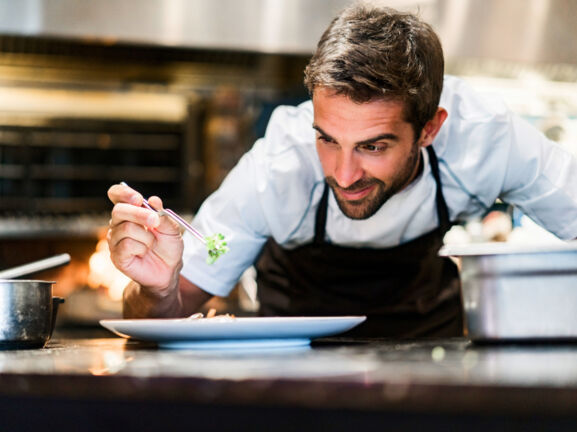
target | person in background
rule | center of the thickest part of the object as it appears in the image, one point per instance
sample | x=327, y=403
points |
x=343, y=204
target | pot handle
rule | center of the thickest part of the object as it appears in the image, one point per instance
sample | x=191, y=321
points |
x=56, y=301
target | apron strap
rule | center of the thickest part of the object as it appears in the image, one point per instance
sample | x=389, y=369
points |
x=442, y=210
x=321, y=217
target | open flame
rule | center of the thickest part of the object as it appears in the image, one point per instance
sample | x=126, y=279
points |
x=103, y=274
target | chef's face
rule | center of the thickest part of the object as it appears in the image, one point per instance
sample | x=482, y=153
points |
x=367, y=150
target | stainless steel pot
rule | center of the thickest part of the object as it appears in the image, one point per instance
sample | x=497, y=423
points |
x=27, y=313
x=518, y=292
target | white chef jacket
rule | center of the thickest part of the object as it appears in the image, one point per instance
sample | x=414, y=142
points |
x=485, y=152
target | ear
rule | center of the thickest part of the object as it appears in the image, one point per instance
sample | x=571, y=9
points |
x=432, y=127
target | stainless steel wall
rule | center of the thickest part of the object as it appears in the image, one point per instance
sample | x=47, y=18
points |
x=287, y=26
x=530, y=31
x=518, y=30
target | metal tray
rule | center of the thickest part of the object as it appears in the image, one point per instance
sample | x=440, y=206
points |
x=518, y=292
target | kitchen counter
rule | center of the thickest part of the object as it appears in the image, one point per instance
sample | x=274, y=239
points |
x=336, y=384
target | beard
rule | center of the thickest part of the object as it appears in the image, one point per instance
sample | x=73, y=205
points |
x=367, y=206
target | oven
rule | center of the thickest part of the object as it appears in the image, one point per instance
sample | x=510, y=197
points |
x=78, y=116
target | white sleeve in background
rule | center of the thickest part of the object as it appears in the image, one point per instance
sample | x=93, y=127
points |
x=543, y=181
x=487, y=152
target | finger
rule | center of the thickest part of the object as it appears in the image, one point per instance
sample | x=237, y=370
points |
x=128, y=230
x=167, y=225
x=155, y=202
x=120, y=193
x=124, y=253
x=129, y=213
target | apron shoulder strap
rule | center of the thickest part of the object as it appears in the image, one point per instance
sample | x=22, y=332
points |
x=442, y=209
x=321, y=216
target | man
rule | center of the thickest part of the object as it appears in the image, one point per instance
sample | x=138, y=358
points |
x=344, y=203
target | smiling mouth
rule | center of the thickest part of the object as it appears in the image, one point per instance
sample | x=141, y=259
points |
x=356, y=195
x=360, y=200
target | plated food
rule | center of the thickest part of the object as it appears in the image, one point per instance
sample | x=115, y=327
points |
x=211, y=314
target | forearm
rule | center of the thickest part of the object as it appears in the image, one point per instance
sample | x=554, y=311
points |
x=139, y=302
x=183, y=300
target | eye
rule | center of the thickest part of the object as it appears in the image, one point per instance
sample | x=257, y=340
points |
x=325, y=139
x=373, y=148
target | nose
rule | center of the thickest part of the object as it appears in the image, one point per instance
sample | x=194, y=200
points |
x=348, y=169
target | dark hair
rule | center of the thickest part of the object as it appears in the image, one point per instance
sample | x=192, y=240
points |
x=370, y=53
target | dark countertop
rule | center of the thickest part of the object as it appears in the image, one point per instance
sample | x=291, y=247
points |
x=347, y=383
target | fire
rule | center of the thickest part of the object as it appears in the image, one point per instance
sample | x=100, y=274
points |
x=103, y=274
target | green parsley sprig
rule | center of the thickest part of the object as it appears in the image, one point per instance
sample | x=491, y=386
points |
x=216, y=246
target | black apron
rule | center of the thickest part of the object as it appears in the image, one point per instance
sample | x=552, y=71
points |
x=405, y=291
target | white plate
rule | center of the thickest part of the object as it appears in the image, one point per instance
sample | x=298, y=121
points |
x=217, y=333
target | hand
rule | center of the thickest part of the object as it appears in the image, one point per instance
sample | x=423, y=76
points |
x=144, y=246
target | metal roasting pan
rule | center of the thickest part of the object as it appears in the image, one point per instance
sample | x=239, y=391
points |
x=518, y=292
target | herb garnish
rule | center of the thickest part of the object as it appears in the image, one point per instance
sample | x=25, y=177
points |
x=216, y=246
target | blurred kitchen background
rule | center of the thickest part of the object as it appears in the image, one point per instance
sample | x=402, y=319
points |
x=168, y=94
